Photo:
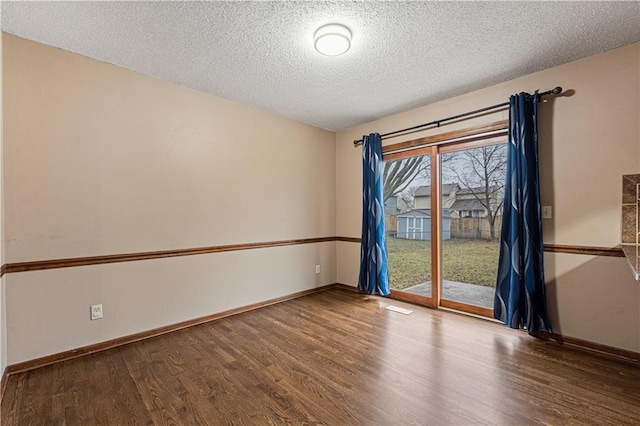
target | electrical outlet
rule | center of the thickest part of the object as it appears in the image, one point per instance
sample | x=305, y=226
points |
x=546, y=212
x=317, y=269
x=96, y=312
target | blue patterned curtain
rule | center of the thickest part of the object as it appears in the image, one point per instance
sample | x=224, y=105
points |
x=520, y=289
x=374, y=278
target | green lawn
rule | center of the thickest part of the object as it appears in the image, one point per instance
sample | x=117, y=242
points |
x=468, y=261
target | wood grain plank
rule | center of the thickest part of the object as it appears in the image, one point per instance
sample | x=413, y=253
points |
x=12, y=400
x=3, y=382
x=37, y=410
x=77, y=401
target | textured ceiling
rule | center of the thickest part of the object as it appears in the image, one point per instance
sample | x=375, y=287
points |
x=403, y=55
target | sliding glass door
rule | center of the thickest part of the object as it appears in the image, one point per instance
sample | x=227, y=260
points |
x=443, y=209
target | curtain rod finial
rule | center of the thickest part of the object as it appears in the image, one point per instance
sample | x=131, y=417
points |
x=556, y=90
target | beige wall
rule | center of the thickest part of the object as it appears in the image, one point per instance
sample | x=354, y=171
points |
x=594, y=298
x=588, y=140
x=101, y=160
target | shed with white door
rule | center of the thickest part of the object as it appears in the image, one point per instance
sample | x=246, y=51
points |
x=416, y=225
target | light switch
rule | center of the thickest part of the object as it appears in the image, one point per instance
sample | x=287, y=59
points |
x=546, y=212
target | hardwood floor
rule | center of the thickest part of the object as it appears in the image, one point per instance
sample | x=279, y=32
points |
x=334, y=357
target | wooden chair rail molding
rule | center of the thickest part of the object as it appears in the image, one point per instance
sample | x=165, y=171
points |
x=131, y=257
x=587, y=250
x=551, y=248
x=349, y=239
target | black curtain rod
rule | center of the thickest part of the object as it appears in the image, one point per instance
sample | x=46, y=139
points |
x=437, y=123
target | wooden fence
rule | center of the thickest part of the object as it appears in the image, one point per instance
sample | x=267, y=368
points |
x=471, y=228
x=391, y=224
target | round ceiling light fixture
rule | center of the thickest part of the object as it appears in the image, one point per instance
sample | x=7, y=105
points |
x=332, y=39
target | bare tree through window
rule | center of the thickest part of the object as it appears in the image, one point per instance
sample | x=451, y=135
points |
x=481, y=172
x=400, y=174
